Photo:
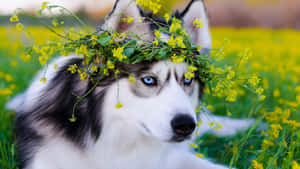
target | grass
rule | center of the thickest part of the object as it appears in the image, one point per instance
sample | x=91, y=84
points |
x=273, y=57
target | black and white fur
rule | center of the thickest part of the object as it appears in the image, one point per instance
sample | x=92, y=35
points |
x=140, y=135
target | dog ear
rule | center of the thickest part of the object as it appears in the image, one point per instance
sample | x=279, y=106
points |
x=196, y=10
x=117, y=19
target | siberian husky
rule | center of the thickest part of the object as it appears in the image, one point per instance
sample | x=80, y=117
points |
x=152, y=130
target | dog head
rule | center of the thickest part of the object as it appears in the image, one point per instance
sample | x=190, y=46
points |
x=161, y=103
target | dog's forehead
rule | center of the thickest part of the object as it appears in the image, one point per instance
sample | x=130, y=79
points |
x=164, y=67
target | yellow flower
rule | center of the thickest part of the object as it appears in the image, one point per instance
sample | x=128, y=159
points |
x=44, y=5
x=218, y=126
x=200, y=155
x=19, y=27
x=257, y=165
x=106, y=72
x=155, y=42
x=131, y=79
x=157, y=33
x=254, y=81
x=118, y=53
x=267, y=143
x=296, y=165
x=83, y=76
x=119, y=105
x=198, y=109
x=179, y=41
x=276, y=93
x=211, y=124
x=8, y=77
x=199, y=47
x=192, y=68
x=43, y=80
x=54, y=23
x=172, y=42
x=25, y=57
x=117, y=72
x=197, y=23
x=230, y=75
x=228, y=113
x=73, y=68
x=5, y=92
x=14, y=63
x=14, y=18
x=55, y=67
x=94, y=68
x=260, y=90
x=175, y=26
x=193, y=145
x=167, y=17
x=262, y=98
x=232, y=95
x=177, y=59
x=128, y=19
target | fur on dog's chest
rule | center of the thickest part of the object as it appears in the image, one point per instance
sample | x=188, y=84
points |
x=59, y=153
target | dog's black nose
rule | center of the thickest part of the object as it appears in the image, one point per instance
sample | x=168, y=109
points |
x=183, y=125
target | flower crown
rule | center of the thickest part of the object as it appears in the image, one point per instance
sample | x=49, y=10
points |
x=101, y=52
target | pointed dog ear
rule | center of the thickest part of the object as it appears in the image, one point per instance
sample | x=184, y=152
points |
x=123, y=10
x=196, y=10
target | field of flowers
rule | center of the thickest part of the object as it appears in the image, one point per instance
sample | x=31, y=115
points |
x=272, y=55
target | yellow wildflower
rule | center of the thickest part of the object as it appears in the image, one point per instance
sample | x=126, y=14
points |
x=14, y=18
x=5, y=92
x=14, y=63
x=192, y=68
x=296, y=165
x=73, y=68
x=55, y=67
x=200, y=155
x=43, y=80
x=83, y=75
x=131, y=79
x=25, y=57
x=276, y=93
x=167, y=17
x=44, y=5
x=119, y=105
x=117, y=72
x=157, y=33
x=175, y=26
x=19, y=27
x=8, y=77
x=257, y=165
x=197, y=23
x=193, y=145
x=179, y=41
x=94, y=68
x=172, y=42
x=106, y=72
x=189, y=75
x=155, y=42
x=54, y=23
x=259, y=90
x=128, y=19
x=118, y=53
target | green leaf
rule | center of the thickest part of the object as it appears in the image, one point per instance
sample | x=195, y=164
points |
x=129, y=51
x=104, y=41
x=163, y=53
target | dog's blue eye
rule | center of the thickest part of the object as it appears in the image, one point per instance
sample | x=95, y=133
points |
x=149, y=81
x=187, y=81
